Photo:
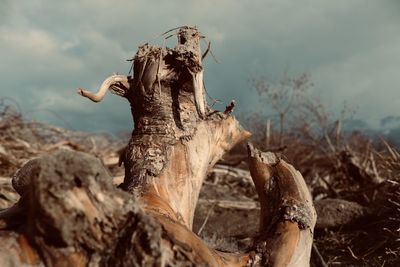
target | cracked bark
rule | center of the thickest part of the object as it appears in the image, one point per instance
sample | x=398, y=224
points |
x=78, y=218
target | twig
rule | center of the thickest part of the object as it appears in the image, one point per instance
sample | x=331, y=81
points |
x=394, y=202
x=331, y=188
x=229, y=204
x=206, y=219
x=321, y=260
x=389, y=148
x=231, y=171
x=213, y=99
x=207, y=50
x=352, y=253
x=212, y=54
x=373, y=249
x=173, y=29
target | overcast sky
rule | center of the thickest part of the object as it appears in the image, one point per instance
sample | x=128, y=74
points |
x=49, y=48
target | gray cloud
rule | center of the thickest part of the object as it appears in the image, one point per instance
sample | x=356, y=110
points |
x=49, y=48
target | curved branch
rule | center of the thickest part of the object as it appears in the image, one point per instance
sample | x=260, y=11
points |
x=118, y=84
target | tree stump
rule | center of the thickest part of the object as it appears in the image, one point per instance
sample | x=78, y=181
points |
x=75, y=217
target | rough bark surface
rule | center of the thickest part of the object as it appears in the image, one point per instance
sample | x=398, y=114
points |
x=75, y=217
x=166, y=105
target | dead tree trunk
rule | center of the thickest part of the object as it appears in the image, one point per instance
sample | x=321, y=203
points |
x=176, y=140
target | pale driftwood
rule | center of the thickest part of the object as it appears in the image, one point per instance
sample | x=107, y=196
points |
x=75, y=217
x=230, y=204
x=237, y=173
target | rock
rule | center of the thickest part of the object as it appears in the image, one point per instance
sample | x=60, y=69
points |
x=333, y=213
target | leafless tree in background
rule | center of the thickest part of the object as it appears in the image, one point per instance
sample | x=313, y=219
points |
x=282, y=95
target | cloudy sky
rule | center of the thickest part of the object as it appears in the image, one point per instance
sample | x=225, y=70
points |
x=49, y=48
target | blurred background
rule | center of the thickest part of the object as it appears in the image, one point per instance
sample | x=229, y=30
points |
x=349, y=51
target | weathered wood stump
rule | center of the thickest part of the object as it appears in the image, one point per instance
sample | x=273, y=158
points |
x=81, y=220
